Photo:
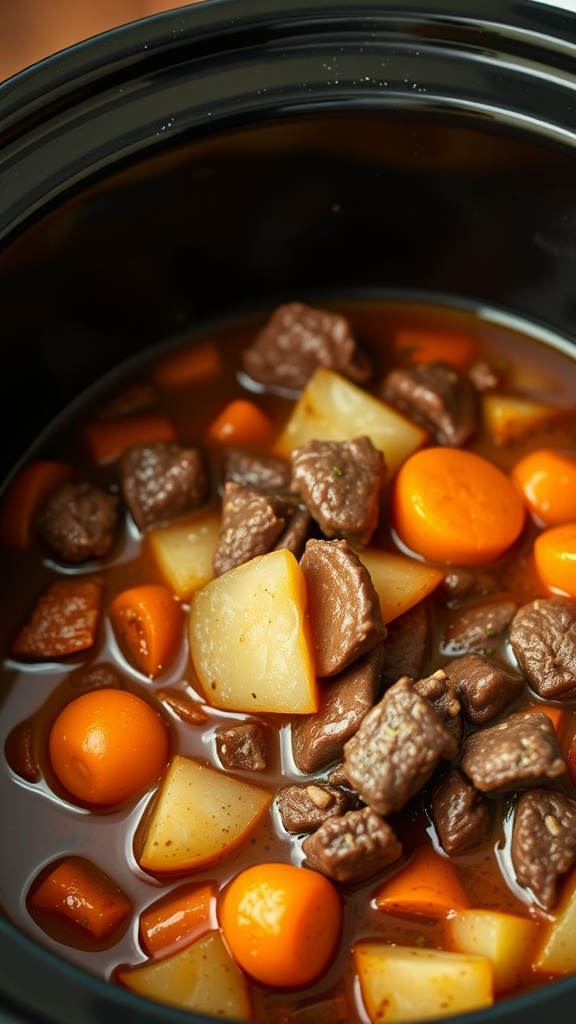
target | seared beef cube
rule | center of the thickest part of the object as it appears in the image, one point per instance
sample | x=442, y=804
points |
x=439, y=692
x=296, y=340
x=438, y=396
x=405, y=646
x=265, y=472
x=161, y=480
x=483, y=688
x=479, y=628
x=352, y=847
x=396, y=748
x=250, y=526
x=79, y=522
x=543, y=638
x=543, y=842
x=297, y=529
x=519, y=752
x=343, y=606
x=319, y=738
x=459, y=584
x=338, y=777
x=243, y=747
x=461, y=814
x=340, y=484
x=484, y=377
x=303, y=808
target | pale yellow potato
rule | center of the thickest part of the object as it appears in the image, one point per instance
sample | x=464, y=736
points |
x=407, y=983
x=184, y=552
x=200, y=816
x=508, y=418
x=249, y=638
x=203, y=978
x=508, y=941
x=557, y=953
x=400, y=582
x=331, y=408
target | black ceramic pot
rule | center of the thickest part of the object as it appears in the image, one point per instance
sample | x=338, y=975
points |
x=242, y=152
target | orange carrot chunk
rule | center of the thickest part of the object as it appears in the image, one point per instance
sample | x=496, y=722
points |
x=547, y=480
x=178, y=919
x=555, y=558
x=148, y=622
x=82, y=894
x=241, y=422
x=417, y=345
x=428, y=885
x=63, y=621
x=193, y=365
x=25, y=497
x=107, y=439
x=453, y=506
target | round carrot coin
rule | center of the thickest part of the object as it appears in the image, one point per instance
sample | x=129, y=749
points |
x=453, y=506
x=547, y=479
x=555, y=558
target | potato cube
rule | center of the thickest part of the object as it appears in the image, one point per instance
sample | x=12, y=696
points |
x=506, y=939
x=400, y=582
x=184, y=552
x=557, y=954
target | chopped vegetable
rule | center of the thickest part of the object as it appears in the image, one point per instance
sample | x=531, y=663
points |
x=400, y=582
x=25, y=497
x=429, y=884
x=241, y=422
x=108, y=744
x=148, y=621
x=63, y=622
x=417, y=345
x=509, y=418
x=281, y=922
x=178, y=919
x=547, y=479
x=82, y=894
x=557, y=952
x=555, y=558
x=184, y=552
x=506, y=939
x=194, y=365
x=453, y=506
x=107, y=439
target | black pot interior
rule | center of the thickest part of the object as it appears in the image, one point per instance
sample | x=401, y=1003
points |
x=353, y=190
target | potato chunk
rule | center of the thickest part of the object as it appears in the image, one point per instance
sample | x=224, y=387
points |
x=509, y=418
x=400, y=582
x=200, y=816
x=557, y=954
x=331, y=408
x=249, y=638
x=406, y=983
x=203, y=978
x=184, y=552
x=506, y=939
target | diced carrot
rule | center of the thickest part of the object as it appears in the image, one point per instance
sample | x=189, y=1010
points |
x=25, y=496
x=148, y=620
x=63, y=621
x=178, y=919
x=193, y=365
x=428, y=885
x=241, y=422
x=84, y=895
x=107, y=439
x=415, y=345
x=555, y=714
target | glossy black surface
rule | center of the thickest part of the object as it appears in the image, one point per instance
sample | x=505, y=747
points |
x=245, y=151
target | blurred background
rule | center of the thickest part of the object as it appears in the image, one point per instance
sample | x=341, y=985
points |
x=33, y=29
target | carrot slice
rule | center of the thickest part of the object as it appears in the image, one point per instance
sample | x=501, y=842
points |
x=453, y=506
x=178, y=919
x=415, y=345
x=241, y=422
x=547, y=479
x=107, y=439
x=25, y=497
x=428, y=885
x=193, y=365
x=148, y=620
x=555, y=558
x=78, y=891
x=555, y=714
x=63, y=621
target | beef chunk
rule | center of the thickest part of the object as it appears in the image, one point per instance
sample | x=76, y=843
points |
x=243, y=747
x=439, y=692
x=352, y=847
x=79, y=522
x=396, y=748
x=161, y=480
x=265, y=472
x=251, y=526
x=406, y=643
x=543, y=638
x=343, y=606
x=461, y=814
x=304, y=808
x=318, y=739
x=296, y=340
x=483, y=688
x=479, y=628
x=340, y=484
x=438, y=396
x=543, y=842
x=459, y=584
x=297, y=529
x=183, y=705
x=485, y=377
x=519, y=752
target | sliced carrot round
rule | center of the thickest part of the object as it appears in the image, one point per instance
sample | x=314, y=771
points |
x=453, y=506
x=547, y=480
x=555, y=558
x=148, y=623
x=281, y=923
